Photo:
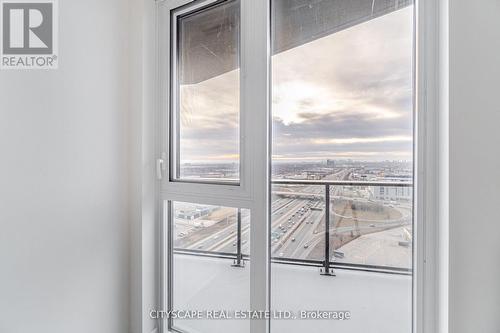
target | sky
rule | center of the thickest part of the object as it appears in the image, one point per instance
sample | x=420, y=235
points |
x=344, y=96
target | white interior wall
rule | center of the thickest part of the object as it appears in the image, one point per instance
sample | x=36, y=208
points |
x=474, y=72
x=64, y=238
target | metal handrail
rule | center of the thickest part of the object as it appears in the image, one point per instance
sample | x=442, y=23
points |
x=339, y=182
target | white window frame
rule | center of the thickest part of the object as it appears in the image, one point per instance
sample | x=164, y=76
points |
x=241, y=191
x=174, y=163
x=253, y=191
x=430, y=282
x=431, y=158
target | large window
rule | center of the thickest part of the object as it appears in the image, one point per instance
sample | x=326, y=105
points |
x=342, y=110
x=342, y=157
x=288, y=126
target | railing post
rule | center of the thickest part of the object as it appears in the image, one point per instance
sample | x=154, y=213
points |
x=326, y=270
x=238, y=262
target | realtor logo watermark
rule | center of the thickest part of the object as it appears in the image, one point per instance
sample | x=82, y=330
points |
x=29, y=36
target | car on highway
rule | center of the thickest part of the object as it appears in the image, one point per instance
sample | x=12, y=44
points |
x=306, y=246
x=293, y=239
x=338, y=254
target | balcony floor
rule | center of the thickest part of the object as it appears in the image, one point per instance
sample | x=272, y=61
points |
x=378, y=302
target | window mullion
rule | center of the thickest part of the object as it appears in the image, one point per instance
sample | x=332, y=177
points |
x=255, y=107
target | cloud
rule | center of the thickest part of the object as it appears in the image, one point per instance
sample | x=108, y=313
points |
x=346, y=141
x=347, y=95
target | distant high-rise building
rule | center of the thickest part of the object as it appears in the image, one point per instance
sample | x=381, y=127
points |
x=392, y=193
x=330, y=163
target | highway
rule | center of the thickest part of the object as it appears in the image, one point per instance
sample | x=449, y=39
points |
x=297, y=223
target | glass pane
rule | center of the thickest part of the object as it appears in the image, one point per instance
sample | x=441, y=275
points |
x=372, y=225
x=342, y=111
x=207, y=97
x=298, y=222
x=208, y=274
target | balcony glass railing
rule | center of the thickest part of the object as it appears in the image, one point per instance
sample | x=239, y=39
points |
x=365, y=226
